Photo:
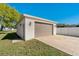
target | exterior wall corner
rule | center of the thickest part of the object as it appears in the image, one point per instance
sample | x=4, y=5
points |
x=54, y=29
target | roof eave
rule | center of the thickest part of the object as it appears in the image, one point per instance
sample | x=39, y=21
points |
x=39, y=18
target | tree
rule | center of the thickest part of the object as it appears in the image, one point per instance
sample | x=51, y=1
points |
x=8, y=16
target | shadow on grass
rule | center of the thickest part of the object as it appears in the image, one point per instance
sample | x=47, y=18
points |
x=12, y=36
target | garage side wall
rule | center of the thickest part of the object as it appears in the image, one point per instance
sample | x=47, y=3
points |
x=20, y=29
x=29, y=28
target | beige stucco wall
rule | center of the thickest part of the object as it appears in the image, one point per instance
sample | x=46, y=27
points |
x=20, y=29
x=29, y=29
x=54, y=29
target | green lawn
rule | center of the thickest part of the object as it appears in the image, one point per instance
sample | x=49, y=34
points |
x=26, y=48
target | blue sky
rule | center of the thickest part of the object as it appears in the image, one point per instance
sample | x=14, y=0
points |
x=59, y=12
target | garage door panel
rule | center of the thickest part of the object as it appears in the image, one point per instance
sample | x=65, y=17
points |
x=43, y=29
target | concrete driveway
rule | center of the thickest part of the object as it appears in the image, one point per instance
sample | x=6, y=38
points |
x=67, y=44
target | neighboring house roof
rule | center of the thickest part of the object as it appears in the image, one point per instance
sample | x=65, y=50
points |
x=37, y=19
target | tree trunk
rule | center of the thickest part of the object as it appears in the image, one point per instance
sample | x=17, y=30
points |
x=2, y=27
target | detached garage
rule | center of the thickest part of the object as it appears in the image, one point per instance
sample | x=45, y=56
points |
x=31, y=27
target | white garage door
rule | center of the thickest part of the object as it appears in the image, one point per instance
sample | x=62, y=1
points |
x=42, y=29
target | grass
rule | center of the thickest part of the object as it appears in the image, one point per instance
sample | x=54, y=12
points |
x=2, y=34
x=26, y=48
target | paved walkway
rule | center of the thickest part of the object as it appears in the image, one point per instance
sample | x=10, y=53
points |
x=67, y=44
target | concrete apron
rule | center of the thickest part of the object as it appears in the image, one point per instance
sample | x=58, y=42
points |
x=66, y=44
x=15, y=41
